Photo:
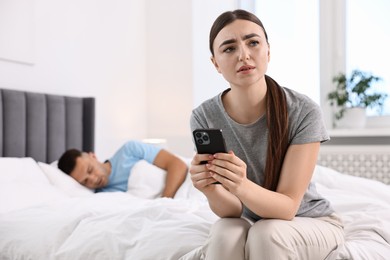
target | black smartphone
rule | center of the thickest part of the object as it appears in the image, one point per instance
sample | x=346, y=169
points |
x=209, y=141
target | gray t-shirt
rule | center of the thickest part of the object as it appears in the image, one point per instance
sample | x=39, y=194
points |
x=249, y=142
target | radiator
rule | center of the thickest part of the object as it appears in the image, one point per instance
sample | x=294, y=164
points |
x=372, y=162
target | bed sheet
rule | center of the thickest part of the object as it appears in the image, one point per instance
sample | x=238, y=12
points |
x=126, y=226
x=106, y=226
x=364, y=206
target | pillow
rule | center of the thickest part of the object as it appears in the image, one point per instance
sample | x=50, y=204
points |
x=64, y=182
x=146, y=180
x=187, y=189
x=23, y=184
x=22, y=170
x=189, y=192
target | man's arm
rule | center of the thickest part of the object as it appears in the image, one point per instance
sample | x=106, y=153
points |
x=176, y=172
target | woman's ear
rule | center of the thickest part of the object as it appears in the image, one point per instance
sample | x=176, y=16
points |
x=215, y=63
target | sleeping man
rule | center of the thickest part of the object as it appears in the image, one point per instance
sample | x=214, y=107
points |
x=113, y=174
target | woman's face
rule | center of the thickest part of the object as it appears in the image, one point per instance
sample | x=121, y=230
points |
x=241, y=53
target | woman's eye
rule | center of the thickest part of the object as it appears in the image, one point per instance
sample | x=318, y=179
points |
x=228, y=49
x=253, y=43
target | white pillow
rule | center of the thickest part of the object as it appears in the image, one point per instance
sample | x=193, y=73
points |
x=21, y=169
x=23, y=184
x=187, y=189
x=146, y=180
x=189, y=192
x=64, y=182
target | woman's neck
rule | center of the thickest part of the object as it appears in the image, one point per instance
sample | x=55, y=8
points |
x=246, y=105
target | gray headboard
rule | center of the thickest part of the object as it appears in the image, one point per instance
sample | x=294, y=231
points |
x=43, y=126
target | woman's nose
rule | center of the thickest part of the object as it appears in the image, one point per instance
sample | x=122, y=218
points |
x=243, y=54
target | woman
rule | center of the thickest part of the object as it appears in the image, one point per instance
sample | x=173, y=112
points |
x=268, y=206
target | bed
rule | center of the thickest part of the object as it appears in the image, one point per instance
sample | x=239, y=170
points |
x=45, y=214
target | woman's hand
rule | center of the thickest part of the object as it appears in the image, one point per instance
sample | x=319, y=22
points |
x=204, y=178
x=200, y=175
x=229, y=170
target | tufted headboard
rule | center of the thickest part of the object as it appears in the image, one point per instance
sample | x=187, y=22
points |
x=43, y=126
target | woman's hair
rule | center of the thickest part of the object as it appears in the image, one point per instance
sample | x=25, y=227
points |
x=277, y=114
x=277, y=123
x=229, y=17
x=67, y=161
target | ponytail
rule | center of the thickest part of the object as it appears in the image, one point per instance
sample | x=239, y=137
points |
x=277, y=123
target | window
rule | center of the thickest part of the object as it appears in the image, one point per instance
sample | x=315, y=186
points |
x=353, y=34
x=292, y=28
x=368, y=40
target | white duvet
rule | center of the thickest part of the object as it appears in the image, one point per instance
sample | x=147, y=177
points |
x=73, y=223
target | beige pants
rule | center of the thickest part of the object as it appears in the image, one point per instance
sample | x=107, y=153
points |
x=273, y=239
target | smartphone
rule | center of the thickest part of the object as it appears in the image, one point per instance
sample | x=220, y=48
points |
x=209, y=141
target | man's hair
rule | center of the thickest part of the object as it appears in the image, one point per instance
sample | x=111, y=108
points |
x=67, y=161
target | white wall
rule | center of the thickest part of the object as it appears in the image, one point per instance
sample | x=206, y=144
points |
x=89, y=48
x=207, y=81
x=147, y=63
x=169, y=72
x=180, y=74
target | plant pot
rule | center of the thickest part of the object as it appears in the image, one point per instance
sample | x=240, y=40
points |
x=354, y=117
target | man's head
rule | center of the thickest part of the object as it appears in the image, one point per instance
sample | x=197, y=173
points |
x=84, y=168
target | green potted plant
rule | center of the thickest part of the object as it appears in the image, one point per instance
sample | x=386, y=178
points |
x=354, y=93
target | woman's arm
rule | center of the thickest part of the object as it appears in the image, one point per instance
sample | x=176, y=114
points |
x=296, y=173
x=176, y=172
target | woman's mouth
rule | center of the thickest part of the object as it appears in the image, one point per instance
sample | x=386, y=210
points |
x=245, y=68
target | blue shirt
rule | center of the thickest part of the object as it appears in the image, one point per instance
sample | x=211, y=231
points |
x=124, y=160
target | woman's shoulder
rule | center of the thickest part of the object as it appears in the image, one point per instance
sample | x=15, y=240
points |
x=212, y=103
x=297, y=100
x=207, y=113
x=301, y=107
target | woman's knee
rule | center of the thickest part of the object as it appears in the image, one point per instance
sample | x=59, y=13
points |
x=264, y=232
x=227, y=239
x=229, y=229
x=266, y=240
x=301, y=238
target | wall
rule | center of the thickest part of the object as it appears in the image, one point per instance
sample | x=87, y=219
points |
x=169, y=76
x=207, y=81
x=88, y=48
x=180, y=74
x=147, y=63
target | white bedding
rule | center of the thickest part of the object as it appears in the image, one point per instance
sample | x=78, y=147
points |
x=70, y=222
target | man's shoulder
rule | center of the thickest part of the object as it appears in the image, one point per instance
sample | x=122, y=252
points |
x=133, y=143
x=129, y=146
x=134, y=146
